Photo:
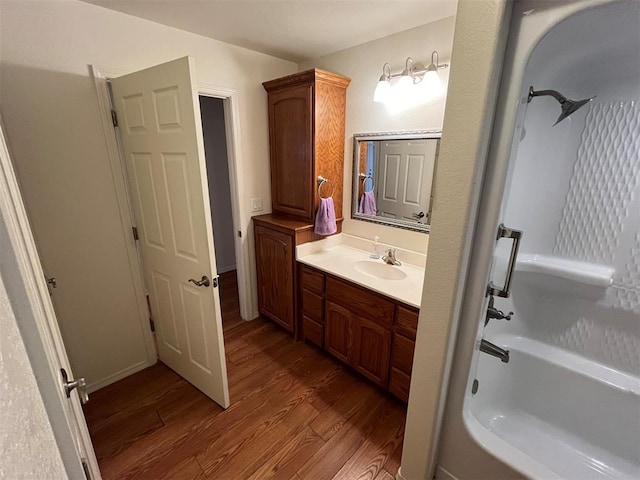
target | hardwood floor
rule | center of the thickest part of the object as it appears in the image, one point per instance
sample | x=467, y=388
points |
x=295, y=414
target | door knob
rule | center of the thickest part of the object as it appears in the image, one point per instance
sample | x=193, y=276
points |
x=70, y=385
x=204, y=282
x=53, y=282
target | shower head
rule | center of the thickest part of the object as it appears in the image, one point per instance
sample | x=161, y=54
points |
x=568, y=106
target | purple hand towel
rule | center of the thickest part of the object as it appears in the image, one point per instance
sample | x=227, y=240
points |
x=326, y=218
x=368, y=203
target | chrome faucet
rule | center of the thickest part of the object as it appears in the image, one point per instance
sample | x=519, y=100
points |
x=390, y=257
x=494, y=350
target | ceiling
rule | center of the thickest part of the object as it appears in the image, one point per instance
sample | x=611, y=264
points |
x=294, y=30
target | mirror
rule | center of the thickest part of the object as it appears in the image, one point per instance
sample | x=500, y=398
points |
x=392, y=177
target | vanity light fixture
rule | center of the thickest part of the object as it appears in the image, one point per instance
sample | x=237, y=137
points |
x=383, y=88
x=416, y=83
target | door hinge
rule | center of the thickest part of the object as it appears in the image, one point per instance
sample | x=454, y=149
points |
x=135, y=233
x=152, y=325
x=114, y=118
x=87, y=470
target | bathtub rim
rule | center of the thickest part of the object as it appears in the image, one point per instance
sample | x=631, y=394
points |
x=597, y=376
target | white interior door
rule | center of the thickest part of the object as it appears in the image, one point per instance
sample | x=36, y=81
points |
x=405, y=174
x=31, y=302
x=159, y=118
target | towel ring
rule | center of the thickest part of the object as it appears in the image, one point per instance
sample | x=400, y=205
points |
x=364, y=182
x=322, y=181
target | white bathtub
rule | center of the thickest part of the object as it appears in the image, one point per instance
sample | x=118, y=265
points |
x=577, y=418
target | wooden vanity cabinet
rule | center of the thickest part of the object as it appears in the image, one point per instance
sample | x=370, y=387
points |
x=312, y=311
x=275, y=240
x=366, y=318
x=274, y=255
x=370, y=332
x=306, y=139
x=404, y=338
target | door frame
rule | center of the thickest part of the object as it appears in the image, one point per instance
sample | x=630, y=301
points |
x=230, y=97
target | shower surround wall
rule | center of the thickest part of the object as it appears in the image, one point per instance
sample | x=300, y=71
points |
x=590, y=190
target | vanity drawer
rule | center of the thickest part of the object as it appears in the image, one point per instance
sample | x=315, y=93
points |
x=406, y=322
x=313, y=306
x=402, y=354
x=312, y=331
x=399, y=383
x=312, y=280
x=362, y=302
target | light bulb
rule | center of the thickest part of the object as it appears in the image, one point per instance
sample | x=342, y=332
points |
x=383, y=89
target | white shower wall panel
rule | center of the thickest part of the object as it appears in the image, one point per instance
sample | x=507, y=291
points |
x=580, y=203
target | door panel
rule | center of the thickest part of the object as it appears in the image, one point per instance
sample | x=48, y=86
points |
x=338, y=332
x=372, y=350
x=275, y=284
x=23, y=283
x=291, y=140
x=404, y=181
x=164, y=155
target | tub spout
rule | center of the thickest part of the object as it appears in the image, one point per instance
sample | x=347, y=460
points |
x=494, y=350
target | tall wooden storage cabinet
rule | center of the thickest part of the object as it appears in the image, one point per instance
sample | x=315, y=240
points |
x=306, y=140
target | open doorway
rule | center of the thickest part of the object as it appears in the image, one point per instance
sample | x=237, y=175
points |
x=214, y=129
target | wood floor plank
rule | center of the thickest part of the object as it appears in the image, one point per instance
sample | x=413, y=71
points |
x=282, y=394
x=371, y=457
x=350, y=401
x=384, y=475
x=118, y=436
x=393, y=462
x=156, y=447
x=245, y=457
x=290, y=457
x=334, y=453
x=210, y=430
x=127, y=393
x=186, y=469
x=268, y=410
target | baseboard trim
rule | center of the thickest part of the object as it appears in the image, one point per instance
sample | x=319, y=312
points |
x=92, y=387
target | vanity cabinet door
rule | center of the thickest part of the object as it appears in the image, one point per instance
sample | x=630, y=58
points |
x=274, y=268
x=372, y=349
x=338, y=331
x=291, y=151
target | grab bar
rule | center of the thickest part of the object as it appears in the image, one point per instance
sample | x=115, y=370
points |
x=516, y=235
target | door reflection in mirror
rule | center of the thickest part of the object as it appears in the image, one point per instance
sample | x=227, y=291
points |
x=393, y=177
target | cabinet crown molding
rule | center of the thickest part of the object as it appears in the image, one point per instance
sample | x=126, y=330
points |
x=315, y=75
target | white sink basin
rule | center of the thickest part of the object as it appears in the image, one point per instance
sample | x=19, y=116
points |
x=380, y=270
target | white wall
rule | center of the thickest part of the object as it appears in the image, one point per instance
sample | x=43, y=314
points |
x=476, y=69
x=215, y=146
x=52, y=122
x=27, y=442
x=363, y=64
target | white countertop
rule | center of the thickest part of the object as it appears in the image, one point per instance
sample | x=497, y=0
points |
x=340, y=261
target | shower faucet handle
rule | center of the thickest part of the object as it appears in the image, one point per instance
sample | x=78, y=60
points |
x=498, y=314
x=493, y=312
